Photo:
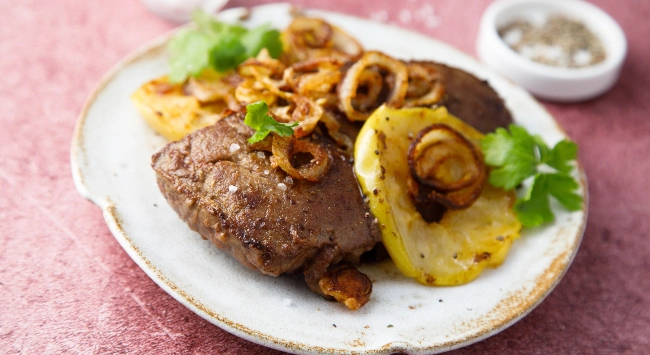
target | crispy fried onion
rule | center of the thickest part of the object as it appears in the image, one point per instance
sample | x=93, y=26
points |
x=348, y=286
x=263, y=81
x=250, y=90
x=308, y=38
x=210, y=88
x=425, y=86
x=299, y=109
x=371, y=81
x=445, y=167
x=256, y=81
x=397, y=81
x=333, y=126
x=287, y=153
x=315, y=78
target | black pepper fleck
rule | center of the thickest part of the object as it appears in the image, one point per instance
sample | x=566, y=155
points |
x=455, y=255
x=389, y=326
x=334, y=325
x=376, y=152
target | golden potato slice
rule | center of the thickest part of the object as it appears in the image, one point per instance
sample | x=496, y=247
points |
x=171, y=112
x=457, y=248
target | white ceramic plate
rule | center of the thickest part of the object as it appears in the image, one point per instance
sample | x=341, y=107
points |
x=111, y=153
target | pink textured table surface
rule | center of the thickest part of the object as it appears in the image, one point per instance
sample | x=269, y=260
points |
x=66, y=286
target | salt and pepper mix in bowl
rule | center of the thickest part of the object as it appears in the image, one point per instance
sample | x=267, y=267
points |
x=559, y=50
x=559, y=41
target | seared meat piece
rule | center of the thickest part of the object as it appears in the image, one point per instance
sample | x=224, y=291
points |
x=472, y=100
x=233, y=196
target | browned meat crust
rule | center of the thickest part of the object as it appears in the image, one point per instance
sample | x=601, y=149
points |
x=472, y=100
x=232, y=195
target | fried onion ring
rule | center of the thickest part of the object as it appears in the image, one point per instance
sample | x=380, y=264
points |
x=250, y=90
x=259, y=81
x=445, y=167
x=266, y=70
x=314, y=78
x=260, y=84
x=308, y=113
x=308, y=38
x=310, y=32
x=425, y=86
x=211, y=88
x=284, y=149
x=346, y=46
x=347, y=90
x=372, y=81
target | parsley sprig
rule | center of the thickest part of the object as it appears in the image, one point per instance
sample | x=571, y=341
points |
x=258, y=119
x=217, y=45
x=516, y=156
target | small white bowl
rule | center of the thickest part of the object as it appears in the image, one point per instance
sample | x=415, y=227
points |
x=545, y=81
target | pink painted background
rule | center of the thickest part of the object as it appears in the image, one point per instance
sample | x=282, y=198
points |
x=66, y=286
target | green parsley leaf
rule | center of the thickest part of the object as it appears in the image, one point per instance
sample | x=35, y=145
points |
x=228, y=54
x=206, y=23
x=262, y=37
x=258, y=119
x=534, y=209
x=561, y=155
x=513, y=154
x=562, y=187
x=516, y=156
x=217, y=45
x=189, y=54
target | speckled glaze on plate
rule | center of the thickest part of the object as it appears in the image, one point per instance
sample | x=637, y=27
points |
x=111, y=151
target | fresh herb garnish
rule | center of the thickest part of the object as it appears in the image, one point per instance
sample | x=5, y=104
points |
x=258, y=119
x=516, y=156
x=217, y=45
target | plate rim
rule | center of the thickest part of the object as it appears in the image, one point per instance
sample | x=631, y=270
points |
x=113, y=220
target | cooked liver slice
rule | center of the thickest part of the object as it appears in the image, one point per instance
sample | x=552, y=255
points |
x=233, y=196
